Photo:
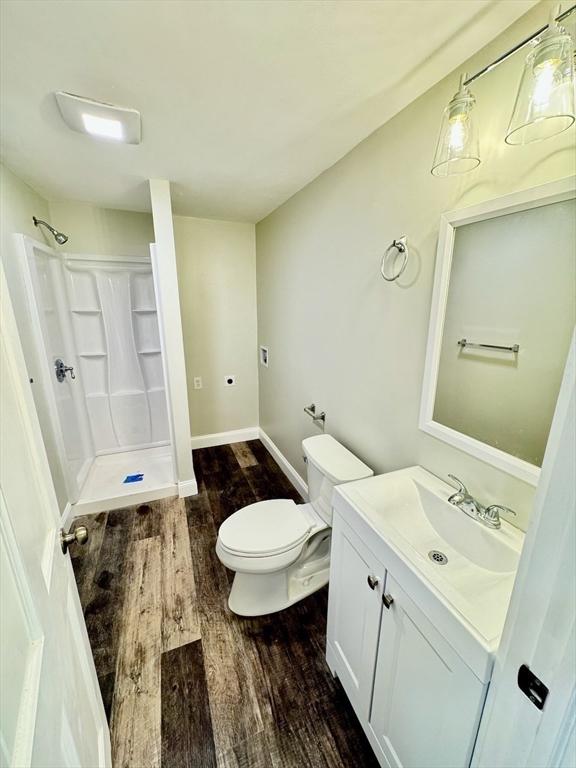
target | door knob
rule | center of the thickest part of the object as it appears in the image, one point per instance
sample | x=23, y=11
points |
x=387, y=600
x=372, y=582
x=79, y=534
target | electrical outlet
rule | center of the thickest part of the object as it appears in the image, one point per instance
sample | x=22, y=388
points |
x=229, y=381
x=197, y=382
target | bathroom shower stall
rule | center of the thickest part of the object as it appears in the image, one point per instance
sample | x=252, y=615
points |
x=98, y=366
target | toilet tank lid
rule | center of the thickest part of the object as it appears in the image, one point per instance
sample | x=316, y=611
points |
x=333, y=460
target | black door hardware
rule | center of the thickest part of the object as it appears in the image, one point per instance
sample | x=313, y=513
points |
x=534, y=688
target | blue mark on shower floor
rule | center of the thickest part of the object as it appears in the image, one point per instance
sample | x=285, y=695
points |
x=134, y=478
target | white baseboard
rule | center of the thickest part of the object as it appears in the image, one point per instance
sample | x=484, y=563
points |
x=187, y=488
x=224, y=438
x=296, y=480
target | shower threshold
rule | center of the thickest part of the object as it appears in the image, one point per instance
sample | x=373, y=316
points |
x=105, y=488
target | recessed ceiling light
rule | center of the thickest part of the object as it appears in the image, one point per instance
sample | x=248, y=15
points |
x=98, y=119
x=103, y=126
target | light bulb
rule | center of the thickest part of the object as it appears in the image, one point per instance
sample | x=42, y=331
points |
x=457, y=133
x=545, y=76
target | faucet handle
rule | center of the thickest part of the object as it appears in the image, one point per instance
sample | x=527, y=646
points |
x=462, y=488
x=461, y=495
x=493, y=511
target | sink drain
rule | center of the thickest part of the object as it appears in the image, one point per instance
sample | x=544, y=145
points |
x=437, y=557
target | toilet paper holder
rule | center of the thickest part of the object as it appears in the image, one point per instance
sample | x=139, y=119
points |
x=311, y=411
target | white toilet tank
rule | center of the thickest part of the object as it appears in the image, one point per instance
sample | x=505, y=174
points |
x=329, y=464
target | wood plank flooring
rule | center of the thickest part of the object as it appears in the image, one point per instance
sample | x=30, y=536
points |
x=136, y=706
x=186, y=683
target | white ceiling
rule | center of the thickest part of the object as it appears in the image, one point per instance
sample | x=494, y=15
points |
x=243, y=103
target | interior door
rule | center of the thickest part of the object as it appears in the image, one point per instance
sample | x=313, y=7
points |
x=540, y=630
x=51, y=709
x=50, y=316
x=354, y=608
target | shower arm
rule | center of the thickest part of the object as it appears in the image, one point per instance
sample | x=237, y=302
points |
x=60, y=237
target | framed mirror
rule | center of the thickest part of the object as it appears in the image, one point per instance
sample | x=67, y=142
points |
x=502, y=318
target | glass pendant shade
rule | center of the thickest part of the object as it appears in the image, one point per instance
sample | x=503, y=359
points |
x=457, y=150
x=545, y=100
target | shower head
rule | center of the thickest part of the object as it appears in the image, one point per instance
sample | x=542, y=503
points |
x=60, y=237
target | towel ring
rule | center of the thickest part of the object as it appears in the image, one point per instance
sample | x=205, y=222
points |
x=401, y=247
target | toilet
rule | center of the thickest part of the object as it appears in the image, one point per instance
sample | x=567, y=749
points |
x=280, y=550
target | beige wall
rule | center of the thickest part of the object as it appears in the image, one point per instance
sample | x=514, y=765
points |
x=217, y=284
x=102, y=230
x=18, y=203
x=342, y=337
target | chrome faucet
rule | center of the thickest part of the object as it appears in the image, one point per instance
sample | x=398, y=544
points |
x=488, y=516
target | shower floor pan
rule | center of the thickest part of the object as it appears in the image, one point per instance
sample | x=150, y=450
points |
x=105, y=489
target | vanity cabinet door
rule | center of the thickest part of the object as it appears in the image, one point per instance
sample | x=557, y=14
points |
x=354, y=608
x=427, y=703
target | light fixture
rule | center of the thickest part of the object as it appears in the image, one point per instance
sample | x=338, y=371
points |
x=103, y=121
x=457, y=148
x=103, y=127
x=545, y=100
x=544, y=104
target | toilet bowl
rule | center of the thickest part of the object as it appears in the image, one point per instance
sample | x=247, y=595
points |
x=280, y=550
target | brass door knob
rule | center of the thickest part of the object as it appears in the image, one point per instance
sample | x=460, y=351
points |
x=79, y=534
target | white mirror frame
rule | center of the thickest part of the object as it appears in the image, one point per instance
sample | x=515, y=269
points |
x=553, y=192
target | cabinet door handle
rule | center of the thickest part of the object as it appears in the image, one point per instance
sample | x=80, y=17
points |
x=372, y=582
x=387, y=600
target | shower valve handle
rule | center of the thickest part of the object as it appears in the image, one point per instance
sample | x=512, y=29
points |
x=61, y=369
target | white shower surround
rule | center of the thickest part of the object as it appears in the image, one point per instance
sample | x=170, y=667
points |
x=109, y=417
x=114, y=317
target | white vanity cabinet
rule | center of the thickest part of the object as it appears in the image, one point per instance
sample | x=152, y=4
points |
x=354, y=610
x=426, y=702
x=418, y=701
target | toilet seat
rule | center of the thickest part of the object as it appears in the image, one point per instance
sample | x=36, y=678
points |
x=265, y=529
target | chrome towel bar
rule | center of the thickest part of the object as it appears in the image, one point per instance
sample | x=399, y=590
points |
x=465, y=343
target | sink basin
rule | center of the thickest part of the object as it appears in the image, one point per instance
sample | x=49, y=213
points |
x=415, y=503
x=471, y=567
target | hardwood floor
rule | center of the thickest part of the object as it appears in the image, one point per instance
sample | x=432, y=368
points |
x=186, y=683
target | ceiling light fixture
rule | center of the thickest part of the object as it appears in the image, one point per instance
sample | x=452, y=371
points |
x=545, y=100
x=544, y=105
x=100, y=120
x=103, y=127
x=457, y=149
